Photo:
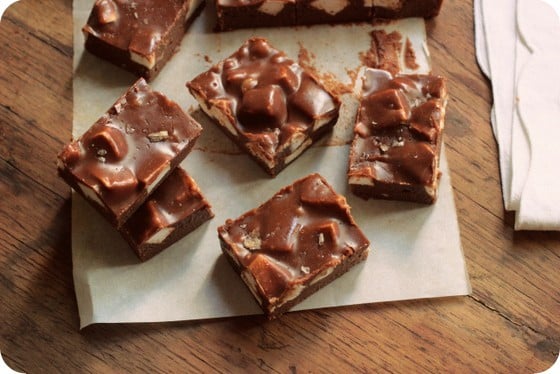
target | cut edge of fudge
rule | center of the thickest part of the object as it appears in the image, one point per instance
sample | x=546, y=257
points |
x=175, y=209
x=392, y=138
x=263, y=13
x=102, y=169
x=344, y=253
x=130, y=58
x=222, y=107
x=396, y=9
x=310, y=12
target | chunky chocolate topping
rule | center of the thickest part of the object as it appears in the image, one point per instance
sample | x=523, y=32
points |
x=128, y=151
x=395, y=151
x=175, y=208
x=292, y=241
x=139, y=35
x=271, y=106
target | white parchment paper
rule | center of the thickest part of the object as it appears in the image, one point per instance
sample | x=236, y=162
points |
x=416, y=249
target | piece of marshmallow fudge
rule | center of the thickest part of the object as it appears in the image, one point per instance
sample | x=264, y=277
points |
x=173, y=210
x=138, y=35
x=126, y=154
x=297, y=242
x=397, y=137
x=268, y=104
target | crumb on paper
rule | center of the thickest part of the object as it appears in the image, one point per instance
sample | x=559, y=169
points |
x=384, y=51
x=410, y=56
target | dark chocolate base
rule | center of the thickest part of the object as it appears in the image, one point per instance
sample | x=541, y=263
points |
x=410, y=8
x=280, y=158
x=415, y=194
x=357, y=257
x=185, y=227
x=249, y=16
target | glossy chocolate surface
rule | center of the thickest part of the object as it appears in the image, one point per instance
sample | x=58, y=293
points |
x=173, y=206
x=127, y=151
x=398, y=129
x=268, y=102
x=134, y=25
x=293, y=238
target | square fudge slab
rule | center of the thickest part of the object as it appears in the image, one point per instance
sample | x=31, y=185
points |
x=123, y=156
x=138, y=35
x=238, y=14
x=273, y=108
x=393, y=9
x=333, y=11
x=300, y=240
x=397, y=137
x=176, y=208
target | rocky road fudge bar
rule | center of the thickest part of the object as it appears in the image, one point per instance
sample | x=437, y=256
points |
x=234, y=14
x=237, y=14
x=300, y=240
x=128, y=151
x=138, y=35
x=273, y=108
x=397, y=137
x=172, y=211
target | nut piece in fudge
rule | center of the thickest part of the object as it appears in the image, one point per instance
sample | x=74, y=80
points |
x=393, y=9
x=300, y=240
x=333, y=11
x=397, y=137
x=138, y=35
x=266, y=103
x=237, y=14
x=173, y=210
x=126, y=154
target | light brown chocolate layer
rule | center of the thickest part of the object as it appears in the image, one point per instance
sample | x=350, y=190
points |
x=301, y=239
x=176, y=208
x=139, y=36
x=128, y=152
x=397, y=137
x=268, y=104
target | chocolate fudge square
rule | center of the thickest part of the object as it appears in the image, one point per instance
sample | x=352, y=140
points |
x=238, y=14
x=173, y=210
x=300, y=240
x=397, y=137
x=333, y=11
x=273, y=108
x=138, y=35
x=126, y=154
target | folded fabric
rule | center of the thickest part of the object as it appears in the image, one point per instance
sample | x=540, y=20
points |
x=516, y=42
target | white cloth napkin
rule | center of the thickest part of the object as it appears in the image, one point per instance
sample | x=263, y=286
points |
x=516, y=47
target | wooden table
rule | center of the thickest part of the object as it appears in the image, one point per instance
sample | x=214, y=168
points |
x=510, y=323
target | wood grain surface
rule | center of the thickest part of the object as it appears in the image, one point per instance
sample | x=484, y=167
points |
x=510, y=323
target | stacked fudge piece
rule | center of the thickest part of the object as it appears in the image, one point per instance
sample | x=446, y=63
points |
x=235, y=14
x=126, y=166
